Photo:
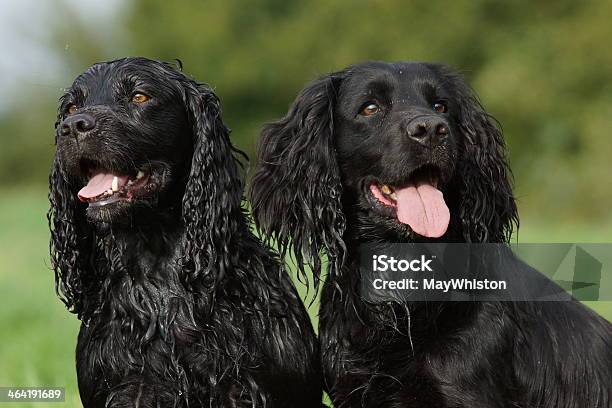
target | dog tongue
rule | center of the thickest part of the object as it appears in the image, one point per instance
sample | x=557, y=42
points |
x=100, y=183
x=423, y=208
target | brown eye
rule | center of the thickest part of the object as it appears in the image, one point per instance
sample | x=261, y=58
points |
x=72, y=109
x=140, y=98
x=369, y=109
x=440, y=107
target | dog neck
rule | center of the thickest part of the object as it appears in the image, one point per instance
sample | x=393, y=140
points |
x=139, y=245
x=362, y=231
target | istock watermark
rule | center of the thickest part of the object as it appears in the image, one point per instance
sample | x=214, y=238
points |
x=469, y=272
x=383, y=263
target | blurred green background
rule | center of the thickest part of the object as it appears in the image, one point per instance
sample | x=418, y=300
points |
x=543, y=70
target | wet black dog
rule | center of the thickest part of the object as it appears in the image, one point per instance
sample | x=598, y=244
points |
x=180, y=304
x=404, y=152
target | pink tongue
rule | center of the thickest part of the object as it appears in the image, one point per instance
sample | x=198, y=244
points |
x=99, y=183
x=423, y=208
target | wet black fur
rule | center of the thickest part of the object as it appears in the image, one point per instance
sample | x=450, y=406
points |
x=180, y=304
x=309, y=192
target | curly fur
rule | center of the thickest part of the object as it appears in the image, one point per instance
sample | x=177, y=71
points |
x=180, y=304
x=308, y=193
x=302, y=144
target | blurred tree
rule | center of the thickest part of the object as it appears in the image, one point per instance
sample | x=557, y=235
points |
x=541, y=68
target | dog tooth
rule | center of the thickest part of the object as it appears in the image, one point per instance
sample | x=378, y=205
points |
x=393, y=196
x=109, y=191
x=385, y=189
x=115, y=184
x=140, y=174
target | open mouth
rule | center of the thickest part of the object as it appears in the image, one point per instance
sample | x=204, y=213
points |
x=418, y=203
x=106, y=187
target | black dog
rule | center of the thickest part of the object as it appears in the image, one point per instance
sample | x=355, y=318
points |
x=404, y=152
x=180, y=304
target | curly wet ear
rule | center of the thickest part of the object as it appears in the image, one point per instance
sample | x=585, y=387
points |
x=213, y=192
x=70, y=245
x=296, y=190
x=488, y=208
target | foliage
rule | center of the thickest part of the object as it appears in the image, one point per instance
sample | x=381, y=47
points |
x=541, y=68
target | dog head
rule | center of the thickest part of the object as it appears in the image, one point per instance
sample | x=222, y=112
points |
x=391, y=151
x=124, y=139
x=139, y=145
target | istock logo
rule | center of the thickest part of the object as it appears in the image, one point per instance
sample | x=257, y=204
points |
x=383, y=263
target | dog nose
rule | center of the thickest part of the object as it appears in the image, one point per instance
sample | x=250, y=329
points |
x=425, y=129
x=78, y=124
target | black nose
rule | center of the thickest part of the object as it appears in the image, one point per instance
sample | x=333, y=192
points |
x=78, y=124
x=425, y=130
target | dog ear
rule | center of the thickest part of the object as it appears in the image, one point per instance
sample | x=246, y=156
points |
x=211, y=206
x=296, y=190
x=71, y=244
x=488, y=208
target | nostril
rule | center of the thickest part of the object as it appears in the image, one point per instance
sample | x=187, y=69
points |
x=84, y=124
x=418, y=130
x=442, y=130
x=65, y=129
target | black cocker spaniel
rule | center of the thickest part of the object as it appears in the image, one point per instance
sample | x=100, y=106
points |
x=181, y=306
x=404, y=152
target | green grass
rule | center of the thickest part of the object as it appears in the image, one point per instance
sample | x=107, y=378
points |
x=38, y=336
